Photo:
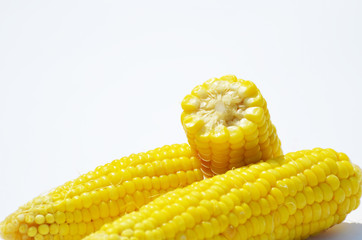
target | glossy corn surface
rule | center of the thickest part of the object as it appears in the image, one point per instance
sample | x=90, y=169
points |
x=228, y=125
x=82, y=206
x=289, y=197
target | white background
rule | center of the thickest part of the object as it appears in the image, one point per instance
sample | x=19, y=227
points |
x=85, y=82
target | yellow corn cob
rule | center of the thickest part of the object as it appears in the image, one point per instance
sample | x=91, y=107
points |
x=81, y=206
x=228, y=125
x=289, y=197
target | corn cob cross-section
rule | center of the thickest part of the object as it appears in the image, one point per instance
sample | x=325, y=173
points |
x=228, y=125
x=289, y=197
x=82, y=206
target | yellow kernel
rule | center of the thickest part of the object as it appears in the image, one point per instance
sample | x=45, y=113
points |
x=86, y=215
x=248, y=127
x=29, y=218
x=261, y=188
x=82, y=228
x=291, y=204
x=113, y=208
x=39, y=219
x=86, y=199
x=268, y=177
x=69, y=204
x=164, y=182
x=69, y=217
x=23, y=228
x=228, y=201
x=54, y=229
x=332, y=165
x=235, y=134
x=264, y=204
x=304, y=161
x=318, y=171
x=63, y=229
x=247, y=210
x=94, y=212
x=333, y=182
x=179, y=222
x=121, y=191
x=208, y=230
x=32, y=231
x=104, y=210
x=298, y=217
x=155, y=183
x=255, y=208
x=317, y=211
x=49, y=218
x=298, y=183
x=327, y=192
x=318, y=194
x=308, y=214
x=77, y=216
x=39, y=237
x=283, y=187
x=291, y=186
x=21, y=217
x=347, y=187
x=339, y=196
x=253, y=190
x=245, y=195
x=343, y=171
x=355, y=185
x=300, y=200
x=325, y=210
x=73, y=229
x=199, y=231
x=353, y=204
x=311, y=177
x=188, y=219
x=96, y=196
x=113, y=193
x=43, y=229
x=284, y=214
x=302, y=178
x=130, y=203
x=129, y=186
x=272, y=202
x=254, y=114
x=59, y=217
x=277, y=194
x=219, y=135
x=291, y=223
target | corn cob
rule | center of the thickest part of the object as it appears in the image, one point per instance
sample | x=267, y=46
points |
x=289, y=197
x=81, y=206
x=228, y=125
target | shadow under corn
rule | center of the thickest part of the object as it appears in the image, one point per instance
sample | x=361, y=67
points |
x=345, y=231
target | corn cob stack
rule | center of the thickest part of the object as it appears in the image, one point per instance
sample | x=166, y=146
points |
x=228, y=125
x=289, y=197
x=82, y=206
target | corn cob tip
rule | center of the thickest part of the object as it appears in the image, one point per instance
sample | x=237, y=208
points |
x=228, y=125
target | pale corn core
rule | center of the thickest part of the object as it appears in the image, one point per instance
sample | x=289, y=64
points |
x=222, y=106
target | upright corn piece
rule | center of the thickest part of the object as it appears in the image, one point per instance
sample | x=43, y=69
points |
x=82, y=206
x=289, y=197
x=228, y=125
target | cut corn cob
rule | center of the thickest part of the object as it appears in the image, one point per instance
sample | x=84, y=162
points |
x=81, y=206
x=289, y=197
x=228, y=125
